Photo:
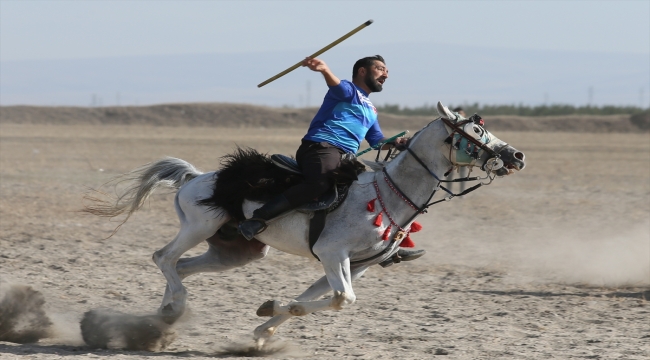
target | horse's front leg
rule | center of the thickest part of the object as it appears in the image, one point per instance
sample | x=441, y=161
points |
x=339, y=278
x=266, y=330
x=315, y=291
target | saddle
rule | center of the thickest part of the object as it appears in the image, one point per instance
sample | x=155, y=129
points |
x=320, y=207
x=329, y=201
x=249, y=175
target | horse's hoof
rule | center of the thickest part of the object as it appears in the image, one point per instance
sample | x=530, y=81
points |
x=266, y=309
x=263, y=332
x=259, y=344
x=168, y=315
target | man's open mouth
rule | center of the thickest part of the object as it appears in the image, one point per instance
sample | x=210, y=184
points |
x=381, y=80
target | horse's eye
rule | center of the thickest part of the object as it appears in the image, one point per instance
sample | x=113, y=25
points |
x=477, y=130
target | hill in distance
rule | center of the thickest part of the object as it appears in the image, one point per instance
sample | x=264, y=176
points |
x=243, y=115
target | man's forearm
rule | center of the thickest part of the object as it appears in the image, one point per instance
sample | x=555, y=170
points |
x=330, y=78
x=320, y=66
x=399, y=142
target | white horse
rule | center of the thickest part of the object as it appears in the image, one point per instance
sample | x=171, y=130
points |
x=353, y=241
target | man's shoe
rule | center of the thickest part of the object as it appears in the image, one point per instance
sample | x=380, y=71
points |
x=409, y=255
x=251, y=227
x=402, y=255
x=272, y=209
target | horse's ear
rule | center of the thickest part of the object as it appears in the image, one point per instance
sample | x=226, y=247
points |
x=444, y=112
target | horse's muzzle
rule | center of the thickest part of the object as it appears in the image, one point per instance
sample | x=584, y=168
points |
x=513, y=159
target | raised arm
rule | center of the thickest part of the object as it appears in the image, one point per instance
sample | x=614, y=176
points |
x=319, y=66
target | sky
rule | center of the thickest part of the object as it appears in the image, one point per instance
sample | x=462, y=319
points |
x=42, y=33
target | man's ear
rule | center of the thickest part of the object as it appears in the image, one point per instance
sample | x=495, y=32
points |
x=362, y=72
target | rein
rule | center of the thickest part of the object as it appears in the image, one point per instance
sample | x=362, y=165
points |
x=451, y=194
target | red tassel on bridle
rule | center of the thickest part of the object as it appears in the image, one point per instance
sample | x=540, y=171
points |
x=371, y=205
x=386, y=233
x=378, y=220
x=407, y=242
x=371, y=208
x=415, y=227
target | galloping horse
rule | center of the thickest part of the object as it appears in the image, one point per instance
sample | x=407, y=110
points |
x=357, y=238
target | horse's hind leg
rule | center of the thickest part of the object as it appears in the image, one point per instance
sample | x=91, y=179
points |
x=222, y=255
x=197, y=225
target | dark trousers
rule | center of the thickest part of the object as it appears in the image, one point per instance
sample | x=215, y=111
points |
x=316, y=160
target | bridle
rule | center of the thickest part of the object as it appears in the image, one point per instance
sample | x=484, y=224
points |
x=423, y=208
x=493, y=162
x=457, y=129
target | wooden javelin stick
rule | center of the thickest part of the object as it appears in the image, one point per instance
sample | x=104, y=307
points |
x=317, y=53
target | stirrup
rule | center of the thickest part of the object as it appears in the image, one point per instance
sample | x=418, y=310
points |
x=259, y=220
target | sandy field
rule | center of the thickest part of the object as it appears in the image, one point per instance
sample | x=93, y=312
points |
x=549, y=263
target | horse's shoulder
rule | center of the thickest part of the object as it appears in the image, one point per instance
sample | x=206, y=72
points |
x=366, y=177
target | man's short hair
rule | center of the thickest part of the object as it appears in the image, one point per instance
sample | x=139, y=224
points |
x=366, y=62
x=458, y=109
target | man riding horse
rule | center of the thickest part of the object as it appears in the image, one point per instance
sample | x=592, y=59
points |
x=345, y=118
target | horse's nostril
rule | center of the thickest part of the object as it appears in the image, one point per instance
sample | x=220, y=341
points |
x=519, y=155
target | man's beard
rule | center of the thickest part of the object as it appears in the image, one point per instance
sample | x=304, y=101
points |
x=372, y=84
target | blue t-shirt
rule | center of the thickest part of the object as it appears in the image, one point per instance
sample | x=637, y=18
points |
x=345, y=119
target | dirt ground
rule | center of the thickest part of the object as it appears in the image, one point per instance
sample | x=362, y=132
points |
x=549, y=263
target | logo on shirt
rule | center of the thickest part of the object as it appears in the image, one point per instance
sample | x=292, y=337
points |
x=364, y=100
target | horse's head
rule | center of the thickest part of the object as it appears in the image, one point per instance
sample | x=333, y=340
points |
x=469, y=144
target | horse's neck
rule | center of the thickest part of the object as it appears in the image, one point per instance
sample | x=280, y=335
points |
x=413, y=179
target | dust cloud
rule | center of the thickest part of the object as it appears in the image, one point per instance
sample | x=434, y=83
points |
x=581, y=254
x=271, y=347
x=65, y=329
x=22, y=317
x=590, y=257
x=103, y=328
